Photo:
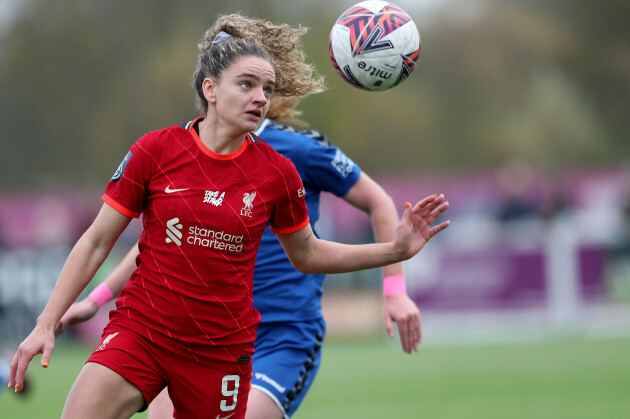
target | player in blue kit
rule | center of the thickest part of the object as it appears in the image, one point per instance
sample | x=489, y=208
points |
x=292, y=329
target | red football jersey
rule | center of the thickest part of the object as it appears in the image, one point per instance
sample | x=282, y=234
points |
x=203, y=215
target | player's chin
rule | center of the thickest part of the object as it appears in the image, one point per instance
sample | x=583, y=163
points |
x=252, y=122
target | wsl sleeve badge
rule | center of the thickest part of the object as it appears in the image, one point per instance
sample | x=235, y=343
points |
x=121, y=168
x=374, y=45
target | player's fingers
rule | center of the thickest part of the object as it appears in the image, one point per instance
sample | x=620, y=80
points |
x=46, y=354
x=423, y=203
x=406, y=213
x=413, y=331
x=403, y=330
x=428, y=209
x=416, y=332
x=13, y=369
x=412, y=338
x=407, y=333
x=22, y=365
x=440, y=209
x=435, y=230
x=389, y=326
x=435, y=213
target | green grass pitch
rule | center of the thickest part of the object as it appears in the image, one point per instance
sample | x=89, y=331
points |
x=375, y=379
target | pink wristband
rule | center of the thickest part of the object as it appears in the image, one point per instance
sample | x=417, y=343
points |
x=101, y=294
x=394, y=285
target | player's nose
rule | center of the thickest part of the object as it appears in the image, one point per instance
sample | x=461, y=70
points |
x=260, y=96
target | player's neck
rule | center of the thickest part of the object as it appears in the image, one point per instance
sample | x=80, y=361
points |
x=219, y=137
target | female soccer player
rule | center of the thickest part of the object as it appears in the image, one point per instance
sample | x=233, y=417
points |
x=292, y=328
x=206, y=190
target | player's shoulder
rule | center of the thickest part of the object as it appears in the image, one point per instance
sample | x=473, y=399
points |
x=263, y=147
x=160, y=136
x=275, y=132
x=177, y=130
x=269, y=153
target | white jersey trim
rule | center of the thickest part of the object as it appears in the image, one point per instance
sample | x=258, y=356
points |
x=262, y=127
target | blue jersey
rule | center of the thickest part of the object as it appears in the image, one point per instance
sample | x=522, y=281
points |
x=281, y=293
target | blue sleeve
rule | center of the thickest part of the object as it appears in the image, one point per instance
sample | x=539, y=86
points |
x=329, y=169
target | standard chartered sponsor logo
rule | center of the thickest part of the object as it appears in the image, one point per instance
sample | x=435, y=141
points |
x=173, y=231
x=219, y=240
x=198, y=236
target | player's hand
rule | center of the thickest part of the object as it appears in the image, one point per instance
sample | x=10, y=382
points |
x=77, y=313
x=415, y=230
x=40, y=341
x=402, y=310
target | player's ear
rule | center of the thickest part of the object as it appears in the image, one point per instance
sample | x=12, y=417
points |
x=208, y=87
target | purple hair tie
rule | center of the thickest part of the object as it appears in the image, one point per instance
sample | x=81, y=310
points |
x=221, y=36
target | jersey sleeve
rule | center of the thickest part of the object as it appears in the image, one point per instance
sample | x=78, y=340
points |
x=330, y=170
x=127, y=190
x=290, y=213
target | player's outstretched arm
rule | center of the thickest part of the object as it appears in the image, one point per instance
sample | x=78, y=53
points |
x=82, y=263
x=370, y=197
x=105, y=292
x=308, y=254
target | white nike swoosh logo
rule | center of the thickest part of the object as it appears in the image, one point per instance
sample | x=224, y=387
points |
x=169, y=190
x=225, y=417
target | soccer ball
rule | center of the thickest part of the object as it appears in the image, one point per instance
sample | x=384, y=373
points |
x=374, y=45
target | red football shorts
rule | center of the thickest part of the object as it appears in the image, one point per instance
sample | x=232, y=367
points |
x=214, y=391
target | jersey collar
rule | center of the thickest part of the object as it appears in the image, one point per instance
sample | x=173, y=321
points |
x=230, y=156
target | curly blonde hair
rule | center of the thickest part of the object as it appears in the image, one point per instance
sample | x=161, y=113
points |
x=295, y=78
x=284, y=110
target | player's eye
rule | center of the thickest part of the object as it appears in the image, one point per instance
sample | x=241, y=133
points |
x=268, y=91
x=246, y=84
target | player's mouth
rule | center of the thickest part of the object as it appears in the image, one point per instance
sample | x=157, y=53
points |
x=255, y=114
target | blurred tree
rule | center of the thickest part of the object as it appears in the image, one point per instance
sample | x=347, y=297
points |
x=545, y=81
x=598, y=61
x=82, y=80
